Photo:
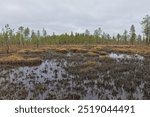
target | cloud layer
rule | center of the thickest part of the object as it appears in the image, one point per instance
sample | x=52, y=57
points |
x=62, y=16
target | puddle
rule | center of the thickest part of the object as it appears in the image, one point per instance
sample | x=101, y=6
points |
x=50, y=80
x=118, y=56
x=35, y=78
x=50, y=70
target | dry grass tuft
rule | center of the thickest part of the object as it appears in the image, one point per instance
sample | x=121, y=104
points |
x=92, y=54
x=11, y=58
x=106, y=59
x=19, y=60
x=88, y=66
x=27, y=51
x=103, y=53
x=90, y=63
x=78, y=50
x=61, y=50
x=143, y=50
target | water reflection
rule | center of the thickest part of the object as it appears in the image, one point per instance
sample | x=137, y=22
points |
x=50, y=80
x=119, y=56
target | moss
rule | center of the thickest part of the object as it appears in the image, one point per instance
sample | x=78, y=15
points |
x=89, y=63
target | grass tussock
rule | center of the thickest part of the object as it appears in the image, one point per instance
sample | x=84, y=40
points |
x=92, y=54
x=89, y=50
x=28, y=51
x=99, y=52
x=143, y=50
x=90, y=63
x=103, y=50
x=88, y=66
x=105, y=59
x=78, y=50
x=19, y=60
x=62, y=50
x=103, y=53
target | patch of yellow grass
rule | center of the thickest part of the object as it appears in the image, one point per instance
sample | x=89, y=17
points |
x=26, y=51
x=98, y=49
x=89, y=63
x=78, y=50
x=86, y=70
x=88, y=66
x=92, y=54
x=19, y=60
x=144, y=50
x=106, y=59
x=11, y=58
x=103, y=53
x=61, y=50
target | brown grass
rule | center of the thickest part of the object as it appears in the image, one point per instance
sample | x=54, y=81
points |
x=61, y=50
x=143, y=50
x=92, y=54
x=78, y=50
x=89, y=63
x=27, y=51
x=88, y=66
x=19, y=60
x=105, y=59
x=104, y=49
x=98, y=49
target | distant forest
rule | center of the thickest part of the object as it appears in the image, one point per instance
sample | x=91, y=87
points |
x=25, y=37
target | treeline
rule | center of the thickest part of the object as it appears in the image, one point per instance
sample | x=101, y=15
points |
x=25, y=36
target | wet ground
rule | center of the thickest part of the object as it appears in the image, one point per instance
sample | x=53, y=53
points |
x=75, y=75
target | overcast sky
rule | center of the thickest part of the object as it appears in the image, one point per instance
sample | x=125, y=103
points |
x=62, y=16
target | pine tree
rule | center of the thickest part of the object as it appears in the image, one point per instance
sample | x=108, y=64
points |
x=146, y=28
x=132, y=34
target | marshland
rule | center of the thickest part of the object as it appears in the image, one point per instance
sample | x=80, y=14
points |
x=76, y=72
x=75, y=66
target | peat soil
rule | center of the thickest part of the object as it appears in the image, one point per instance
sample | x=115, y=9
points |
x=72, y=75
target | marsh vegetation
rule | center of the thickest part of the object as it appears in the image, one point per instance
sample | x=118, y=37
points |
x=76, y=72
x=35, y=65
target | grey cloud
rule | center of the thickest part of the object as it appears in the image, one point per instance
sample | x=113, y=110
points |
x=74, y=15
